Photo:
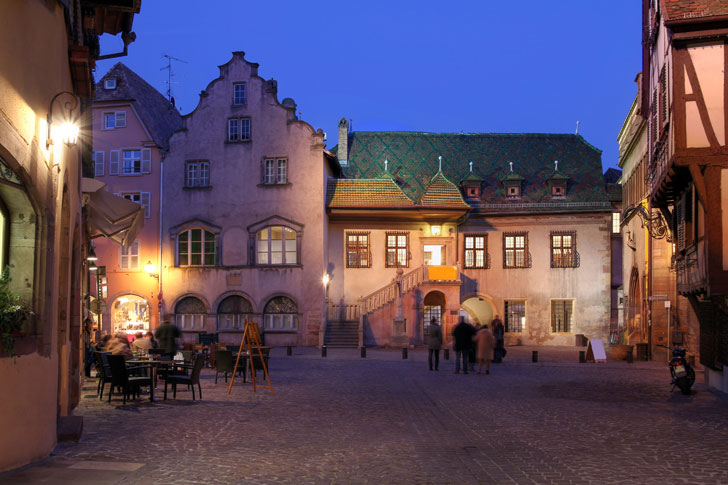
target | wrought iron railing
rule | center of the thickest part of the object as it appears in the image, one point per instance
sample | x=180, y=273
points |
x=690, y=271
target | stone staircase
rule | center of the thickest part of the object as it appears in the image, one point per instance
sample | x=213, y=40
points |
x=343, y=334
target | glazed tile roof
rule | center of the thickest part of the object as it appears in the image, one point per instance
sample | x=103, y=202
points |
x=158, y=115
x=690, y=9
x=413, y=160
x=440, y=192
x=381, y=192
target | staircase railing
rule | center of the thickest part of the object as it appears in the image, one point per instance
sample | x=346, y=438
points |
x=387, y=294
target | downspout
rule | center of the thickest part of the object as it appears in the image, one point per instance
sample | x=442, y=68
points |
x=159, y=240
x=648, y=235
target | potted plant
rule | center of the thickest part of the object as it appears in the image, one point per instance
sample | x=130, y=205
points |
x=13, y=313
x=619, y=347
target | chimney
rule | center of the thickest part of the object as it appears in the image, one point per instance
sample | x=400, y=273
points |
x=343, y=149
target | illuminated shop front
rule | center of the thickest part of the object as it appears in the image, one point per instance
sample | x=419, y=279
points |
x=130, y=314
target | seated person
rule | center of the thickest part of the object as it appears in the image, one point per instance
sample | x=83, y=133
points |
x=142, y=343
x=119, y=345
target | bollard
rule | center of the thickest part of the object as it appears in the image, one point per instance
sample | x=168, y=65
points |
x=582, y=356
x=289, y=351
x=447, y=354
x=363, y=352
x=630, y=357
x=404, y=352
x=534, y=356
x=323, y=351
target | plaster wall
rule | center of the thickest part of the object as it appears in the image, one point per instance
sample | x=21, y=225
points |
x=33, y=68
x=128, y=281
x=237, y=199
x=709, y=63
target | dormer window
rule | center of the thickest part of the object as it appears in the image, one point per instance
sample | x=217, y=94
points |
x=513, y=191
x=110, y=83
x=557, y=191
x=512, y=183
x=557, y=182
x=473, y=192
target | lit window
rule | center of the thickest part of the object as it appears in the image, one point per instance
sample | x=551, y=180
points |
x=357, y=250
x=397, y=249
x=616, y=223
x=130, y=256
x=196, y=247
x=239, y=129
x=515, y=315
x=239, y=93
x=563, y=250
x=277, y=245
x=476, y=248
x=515, y=249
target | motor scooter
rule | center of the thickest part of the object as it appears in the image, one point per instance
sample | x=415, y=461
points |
x=682, y=373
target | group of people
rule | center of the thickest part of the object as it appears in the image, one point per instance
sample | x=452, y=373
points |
x=165, y=338
x=471, y=344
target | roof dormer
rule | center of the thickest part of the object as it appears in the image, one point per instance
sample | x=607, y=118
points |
x=557, y=182
x=472, y=184
x=513, y=184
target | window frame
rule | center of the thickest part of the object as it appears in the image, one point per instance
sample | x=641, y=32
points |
x=110, y=83
x=526, y=259
x=396, y=248
x=516, y=195
x=275, y=171
x=238, y=135
x=236, y=100
x=566, y=327
x=616, y=223
x=358, y=249
x=127, y=254
x=563, y=260
x=199, y=166
x=144, y=199
x=475, y=251
x=269, y=246
x=185, y=236
x=507, y=316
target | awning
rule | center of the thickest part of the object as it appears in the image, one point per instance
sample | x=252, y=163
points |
x=111, y=216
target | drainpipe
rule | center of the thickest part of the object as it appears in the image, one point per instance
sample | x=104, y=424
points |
x=159, y=240
x=650, y=336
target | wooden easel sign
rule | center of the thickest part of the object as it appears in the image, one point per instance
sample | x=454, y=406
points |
x=595, y=351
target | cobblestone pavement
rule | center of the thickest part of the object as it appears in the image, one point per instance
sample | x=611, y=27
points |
x=344, y=419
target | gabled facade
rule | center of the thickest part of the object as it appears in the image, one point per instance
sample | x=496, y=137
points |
x=248, y=243
x=408, y=242
x=684, y=85
x=132, y=123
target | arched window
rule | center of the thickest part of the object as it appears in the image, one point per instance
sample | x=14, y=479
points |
x=196, y=247
x=190, y=314
x=232, y=313
x=276, y=245
x=280, y=315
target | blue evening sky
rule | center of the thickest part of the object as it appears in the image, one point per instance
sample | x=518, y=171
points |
x=529, y=66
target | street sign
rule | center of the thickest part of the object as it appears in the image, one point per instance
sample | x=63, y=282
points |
x=98, y=306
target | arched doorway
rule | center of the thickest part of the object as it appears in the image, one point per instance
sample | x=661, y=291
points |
x=433, y=306
x=130, y=314
x=478, y=310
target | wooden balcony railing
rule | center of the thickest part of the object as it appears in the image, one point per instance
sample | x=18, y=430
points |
x=690, y=271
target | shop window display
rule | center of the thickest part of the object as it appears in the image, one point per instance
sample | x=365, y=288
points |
x=130, y=314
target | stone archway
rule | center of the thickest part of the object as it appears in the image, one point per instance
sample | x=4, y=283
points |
x=478, y=310
x=433, y=306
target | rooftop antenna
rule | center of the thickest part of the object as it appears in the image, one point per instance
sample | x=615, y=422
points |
x=170, y=74
x=577, y=127
x=439, y=168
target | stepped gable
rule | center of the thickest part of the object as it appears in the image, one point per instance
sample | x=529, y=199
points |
x=440, y=192
x=675, y=10
x=413, y=156
x=382, y=192
x=157, y=113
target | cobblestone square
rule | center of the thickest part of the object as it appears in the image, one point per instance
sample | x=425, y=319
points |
x=344, y=419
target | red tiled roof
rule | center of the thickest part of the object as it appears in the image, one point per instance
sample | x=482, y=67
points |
x=365, y=193
x=693, y=9
x=442, y=193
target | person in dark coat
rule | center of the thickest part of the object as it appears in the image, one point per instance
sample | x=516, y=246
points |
x=167, y=335
x=434, y=343
x=463, y=334
x=499, y=336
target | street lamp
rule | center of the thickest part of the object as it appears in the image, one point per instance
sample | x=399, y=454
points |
x=67, y=129
x=149, y=268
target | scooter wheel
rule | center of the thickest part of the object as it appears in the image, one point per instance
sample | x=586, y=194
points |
x=684, y=384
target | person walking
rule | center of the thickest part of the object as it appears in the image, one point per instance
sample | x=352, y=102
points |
x=463, y=334
x=485, y=343
x=434, y=343
x=499, y=336
x=167, y=335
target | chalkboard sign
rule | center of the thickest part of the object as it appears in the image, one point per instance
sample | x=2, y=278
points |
x=595, y=351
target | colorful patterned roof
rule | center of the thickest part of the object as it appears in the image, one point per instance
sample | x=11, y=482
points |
x=693, y=9
x=440, y=192
x=383, y=192
x=413, y=159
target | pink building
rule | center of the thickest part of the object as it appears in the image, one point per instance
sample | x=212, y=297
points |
x=132, y=123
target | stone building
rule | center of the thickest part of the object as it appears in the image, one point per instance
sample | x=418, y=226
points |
x=48, y=52
x=683, y=98
x=132, y=124
x=517, y=225
x=244, y=225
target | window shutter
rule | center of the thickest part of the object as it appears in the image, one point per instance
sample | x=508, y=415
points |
x=147, y=203
x=114, y=162
x=99, y=164
x=146, y=160
x=680, y=219
x=120, y=119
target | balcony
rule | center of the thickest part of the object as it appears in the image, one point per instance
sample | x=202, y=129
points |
x=690, y=271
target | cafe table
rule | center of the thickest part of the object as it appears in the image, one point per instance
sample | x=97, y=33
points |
x=153, y=365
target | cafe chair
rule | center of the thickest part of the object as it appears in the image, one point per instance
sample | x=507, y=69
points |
x=189, y=380
x=223, y=363
x=257, y=362
x=121, y=379
x=103, y=372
